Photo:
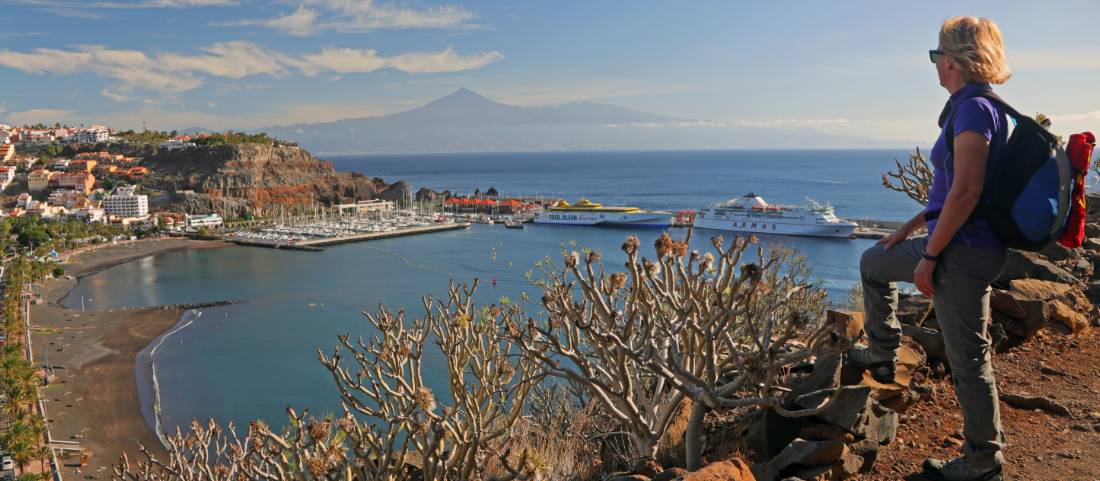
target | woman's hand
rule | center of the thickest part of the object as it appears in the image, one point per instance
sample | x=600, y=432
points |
x=891, y=240
x=922, y=277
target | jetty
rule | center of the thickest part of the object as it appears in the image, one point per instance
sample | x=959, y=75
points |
x=317, y=244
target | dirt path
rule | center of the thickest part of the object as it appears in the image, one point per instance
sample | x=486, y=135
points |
x=1041, y=446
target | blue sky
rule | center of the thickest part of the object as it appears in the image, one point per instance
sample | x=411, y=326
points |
x=846, y=67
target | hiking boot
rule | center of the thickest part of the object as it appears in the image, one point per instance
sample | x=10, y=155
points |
x=882, y=364
x=959, y=469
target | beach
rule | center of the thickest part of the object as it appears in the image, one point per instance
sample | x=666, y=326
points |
x=93, y=398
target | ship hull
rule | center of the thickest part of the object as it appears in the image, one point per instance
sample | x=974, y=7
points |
x=778, y=228
x=649, y=220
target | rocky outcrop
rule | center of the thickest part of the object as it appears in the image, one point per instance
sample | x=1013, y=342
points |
x=255, y=178
x=427, y=195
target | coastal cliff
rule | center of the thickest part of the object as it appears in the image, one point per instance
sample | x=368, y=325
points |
x=254, y=178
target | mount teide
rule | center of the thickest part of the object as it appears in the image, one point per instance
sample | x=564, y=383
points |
x=465, y=121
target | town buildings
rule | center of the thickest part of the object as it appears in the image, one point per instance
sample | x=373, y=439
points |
x=39, y=180
x=7, y=152
x=7, y=175
x=125, y=203
x=80, y=181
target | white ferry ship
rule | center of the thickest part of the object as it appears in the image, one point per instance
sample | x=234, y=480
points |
x=585, y=212
x=750, y=213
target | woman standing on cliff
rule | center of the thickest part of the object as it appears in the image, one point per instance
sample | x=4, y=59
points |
x=956, y=262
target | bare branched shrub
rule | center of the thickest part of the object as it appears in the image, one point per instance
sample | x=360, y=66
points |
x=704, y=326
x=488, y=387
x=394, y=426
x=912, y=178
x=584, y=340
x=307, y=449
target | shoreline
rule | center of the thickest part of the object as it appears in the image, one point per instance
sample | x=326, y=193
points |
x=95, y=397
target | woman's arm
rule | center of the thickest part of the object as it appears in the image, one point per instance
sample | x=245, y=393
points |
x=971, y=151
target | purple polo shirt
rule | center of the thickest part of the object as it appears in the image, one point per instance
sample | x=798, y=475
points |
x=977, y=115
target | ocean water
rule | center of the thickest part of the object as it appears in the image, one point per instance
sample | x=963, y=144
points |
x=253, y=359
x=849, y=179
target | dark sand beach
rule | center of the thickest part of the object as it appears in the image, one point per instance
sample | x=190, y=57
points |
x=93, y=398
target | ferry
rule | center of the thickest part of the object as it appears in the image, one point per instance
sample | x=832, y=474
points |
x=585, y=212
x=750, y=213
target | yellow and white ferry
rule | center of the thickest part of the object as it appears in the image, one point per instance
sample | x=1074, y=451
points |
x=586, y=212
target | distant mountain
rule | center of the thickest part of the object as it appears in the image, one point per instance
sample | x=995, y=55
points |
x=465, y=121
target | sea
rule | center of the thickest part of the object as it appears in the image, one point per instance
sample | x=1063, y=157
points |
x=254, y=359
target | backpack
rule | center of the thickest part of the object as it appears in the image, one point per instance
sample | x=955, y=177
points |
x=1027, y=194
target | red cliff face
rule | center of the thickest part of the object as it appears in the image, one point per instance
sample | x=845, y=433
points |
x=255, y=178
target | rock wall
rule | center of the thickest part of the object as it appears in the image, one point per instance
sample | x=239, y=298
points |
x=255, y=178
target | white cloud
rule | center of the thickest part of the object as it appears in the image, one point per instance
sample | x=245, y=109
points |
x=360, y=16
x=346, y=60
x=1094, y=115
x=116, y=95
x=167, y=74
x=792, y=122
x=162, y=119
x=298, y=23
x=61, y=6
x=1060, y=59
x=676, y=123
x=34, y=116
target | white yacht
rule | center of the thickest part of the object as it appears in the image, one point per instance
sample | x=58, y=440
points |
x=750, y=213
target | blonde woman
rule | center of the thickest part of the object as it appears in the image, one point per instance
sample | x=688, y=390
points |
x=959, y=258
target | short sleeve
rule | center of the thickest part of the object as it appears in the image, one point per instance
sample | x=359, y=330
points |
x=977, y=115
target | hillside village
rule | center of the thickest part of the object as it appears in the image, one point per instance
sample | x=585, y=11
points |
x=77, y=173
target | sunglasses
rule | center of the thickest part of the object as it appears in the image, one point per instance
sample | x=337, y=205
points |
x=935, y=54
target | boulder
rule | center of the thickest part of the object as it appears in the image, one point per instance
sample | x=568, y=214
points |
x=849, y=464
x=768, y=432
x=930, y=340
x=880, y=424
x=1092, y=241
x=1058, y=252
x=913, y=310
x=825, y=375
x=895, y=394
x=845, y=409
x=1093, y=292
x=671, y=474
x=845, y=322
x=803, y=454
x=1071, y=319
x=628, y=477
x=1040, y=289
x=728, y=470
x=1031, y=265
x=868, y=450
x=1021, y=316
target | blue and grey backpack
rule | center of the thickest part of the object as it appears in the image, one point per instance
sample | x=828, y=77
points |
x=1027, y=193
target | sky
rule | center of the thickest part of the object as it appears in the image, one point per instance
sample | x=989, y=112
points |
x=855, y=67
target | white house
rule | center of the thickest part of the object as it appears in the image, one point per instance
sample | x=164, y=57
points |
x=123, y=202
x=7, y=174
x=91, y=135
x=204, y=220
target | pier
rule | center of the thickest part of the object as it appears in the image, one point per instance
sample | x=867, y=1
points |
x=317, y=244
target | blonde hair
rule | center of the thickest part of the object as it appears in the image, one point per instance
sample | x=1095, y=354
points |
x=976, y=46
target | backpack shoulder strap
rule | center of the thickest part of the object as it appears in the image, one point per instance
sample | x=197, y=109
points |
x=947, y=115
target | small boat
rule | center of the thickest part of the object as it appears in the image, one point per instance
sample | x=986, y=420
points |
x=513, y=224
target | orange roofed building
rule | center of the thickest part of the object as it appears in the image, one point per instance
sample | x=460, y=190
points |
x=78, y=181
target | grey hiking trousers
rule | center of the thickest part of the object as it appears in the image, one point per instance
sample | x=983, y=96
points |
x=961, y=281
